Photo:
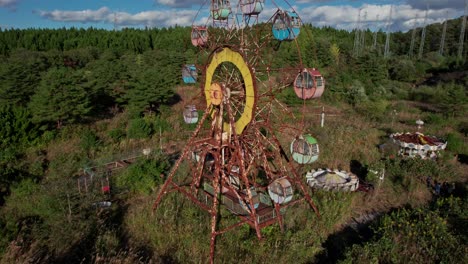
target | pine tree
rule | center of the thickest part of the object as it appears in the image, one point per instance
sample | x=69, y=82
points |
x=62, y=96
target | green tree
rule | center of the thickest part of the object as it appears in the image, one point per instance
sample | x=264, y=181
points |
x=143, y=176
x=17, y=128
x=455, y=102
x=62, y=96
x=20, y=75
x=151, y=89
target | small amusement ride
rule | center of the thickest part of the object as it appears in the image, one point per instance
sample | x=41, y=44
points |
x=418, y=145
x=236, y=156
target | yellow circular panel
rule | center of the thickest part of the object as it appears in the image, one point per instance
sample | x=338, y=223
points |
x=228, y=55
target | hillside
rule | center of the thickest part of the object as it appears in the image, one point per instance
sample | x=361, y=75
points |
x=81, y=105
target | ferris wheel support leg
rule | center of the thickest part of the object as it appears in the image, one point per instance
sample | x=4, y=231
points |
x=186, y=149
x=279, y=217
x=196, y=181
x=214, y=209
x=243, y=173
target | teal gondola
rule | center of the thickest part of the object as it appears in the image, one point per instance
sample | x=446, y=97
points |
x=286, y=25
x=189, y=73
x=220, y=9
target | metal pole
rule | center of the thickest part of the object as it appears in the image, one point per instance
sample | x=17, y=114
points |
x=160, y=139
x=442, y=39
x=322, y=119
x=413, y=37
x=374, y=46
x=423, y=35
x=357, y=35
x=462, y=33
x=387, y=40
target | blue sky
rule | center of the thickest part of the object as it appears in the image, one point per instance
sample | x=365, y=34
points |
x=166, y=13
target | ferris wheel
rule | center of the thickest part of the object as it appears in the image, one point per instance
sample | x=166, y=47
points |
x=237, y=155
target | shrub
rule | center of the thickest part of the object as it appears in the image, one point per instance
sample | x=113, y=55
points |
x=139, y=128
x=357, y=93
x=463, y=128
x=116, y=134
x=412, y=236
x=144, y=175
x=403, y=70
x=455, y=143
x=289, y=97
x=162, y=124
x=89, y=141
x=374, y=110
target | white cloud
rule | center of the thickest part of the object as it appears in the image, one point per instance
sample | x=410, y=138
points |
x=180, y=3
x=345, y=17
x=8, y=3
x=84, y=16
x=156, y=18
x=340, y=16
x=104, y=14
x=436, y=4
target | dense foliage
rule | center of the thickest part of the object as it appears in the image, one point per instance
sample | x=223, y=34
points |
x=425, y=235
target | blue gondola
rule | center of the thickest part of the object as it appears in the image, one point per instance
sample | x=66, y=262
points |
x=189, y=73
x=286, y=25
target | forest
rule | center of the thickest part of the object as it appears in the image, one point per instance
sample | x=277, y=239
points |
x=72, y=99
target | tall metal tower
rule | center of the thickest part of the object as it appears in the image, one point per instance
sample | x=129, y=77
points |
x=115, y=21
x=362, y=46
x=413, y=37
x=357, y=35
x=462, y=32
x=423, y=34
x=374, y=46
x=387, y=40
x=442, y=39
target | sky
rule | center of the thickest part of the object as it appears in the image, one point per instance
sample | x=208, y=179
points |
x=108, y=14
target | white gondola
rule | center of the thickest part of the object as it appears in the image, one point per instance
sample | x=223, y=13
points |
x=280, y=191
x=190, y=114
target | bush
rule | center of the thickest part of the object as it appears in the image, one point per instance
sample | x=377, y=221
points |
x=374, y=110
x=144, y=175
x=403, y=70
x=463, y=128
x=89, y=141
x=357, y=93
x=289, y=97
x=162, y=124
x=399, y=90
x=455, y=143
x=116, y=134
x=139, y=128
x=413, y=236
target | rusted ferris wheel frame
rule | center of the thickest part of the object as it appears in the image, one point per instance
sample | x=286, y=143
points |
x=214, y=145
x=246, y=149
